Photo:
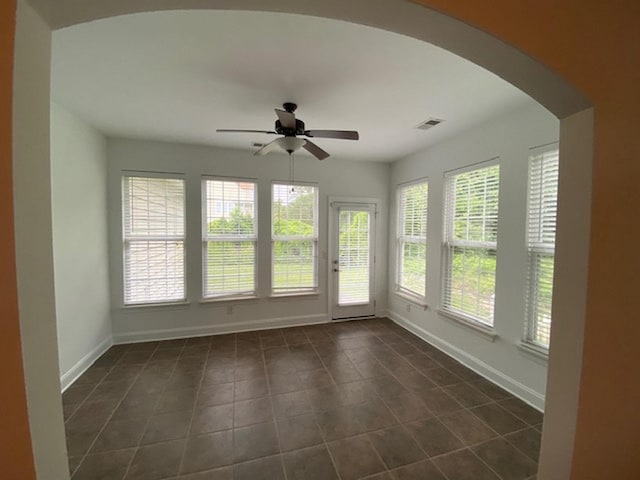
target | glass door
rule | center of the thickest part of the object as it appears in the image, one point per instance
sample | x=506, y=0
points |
x=353, y=260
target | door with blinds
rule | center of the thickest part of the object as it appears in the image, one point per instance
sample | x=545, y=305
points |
x=352, y=256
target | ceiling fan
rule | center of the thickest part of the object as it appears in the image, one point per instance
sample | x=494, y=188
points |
x=291, y=127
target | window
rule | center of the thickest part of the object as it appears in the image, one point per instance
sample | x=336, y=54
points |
x=412, y=239
x=541, y=235
x=294, y=253
x=470, y=243
x=229, y=238
x=154, y=240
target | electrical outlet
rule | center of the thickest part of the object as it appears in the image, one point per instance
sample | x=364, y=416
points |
x=229, y=309
x=408, y=307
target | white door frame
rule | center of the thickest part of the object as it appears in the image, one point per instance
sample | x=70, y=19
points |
x=332, y=247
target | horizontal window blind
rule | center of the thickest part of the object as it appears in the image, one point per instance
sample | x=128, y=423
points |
x=294, y=255
x=470, y=245
x=229, y=238
x=354, y=257
x=154, y=240
x=412, y=239
x=541, y=234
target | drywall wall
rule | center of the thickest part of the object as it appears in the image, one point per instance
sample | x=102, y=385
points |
x=334, y=177
x=34, y=252
x=16, y=456
x=80, y=254
x=508, y=138
x=570, y=296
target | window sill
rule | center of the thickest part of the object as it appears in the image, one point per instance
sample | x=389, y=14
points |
x=284, y=296
x=539, y=353
x=420, y=302
x=156, y=306
x=477, y=327
x=218, y=300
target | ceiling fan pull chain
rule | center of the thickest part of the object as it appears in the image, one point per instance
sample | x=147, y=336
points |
x=291, y=171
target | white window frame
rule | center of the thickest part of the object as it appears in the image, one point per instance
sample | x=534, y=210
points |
x=129, y=239
x=538, y=244
x=450, y=243
x=210, y=238
x=402, y=239
x=284, y=238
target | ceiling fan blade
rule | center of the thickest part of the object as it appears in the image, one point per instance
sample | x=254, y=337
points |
x=341, y=134
x=269, y=147
x=287, y=119
x=315, y=150
x=227, y=130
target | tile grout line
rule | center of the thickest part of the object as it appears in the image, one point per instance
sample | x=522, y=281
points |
x=233, y=408
x=406, y=430
x=499, y=402
x=485, y=463
x=517, y=447
x=428, y=457
x=399, y=424
x=465, y=447
x=195, y=406
x=469, y=447
x=273, y=411
x=403, y=426
x=82, y=457
x=108, y=419
x=333, y=333
x=364, y=434
x=156, y=406
x=315, y=416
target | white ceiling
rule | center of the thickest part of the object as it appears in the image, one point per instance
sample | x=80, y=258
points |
x=177, y=76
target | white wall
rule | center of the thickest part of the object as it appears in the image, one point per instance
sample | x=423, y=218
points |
x=569, y=295
x=334, y=177
x=508, y=138
x=80, y=253
x=34, y=253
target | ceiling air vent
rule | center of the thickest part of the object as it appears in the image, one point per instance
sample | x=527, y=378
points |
x=426, y=125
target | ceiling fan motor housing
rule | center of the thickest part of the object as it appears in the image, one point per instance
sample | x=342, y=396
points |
x=289, y=107
x=290, y=132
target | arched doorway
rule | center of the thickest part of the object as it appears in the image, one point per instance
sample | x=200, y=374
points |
x=401, y=17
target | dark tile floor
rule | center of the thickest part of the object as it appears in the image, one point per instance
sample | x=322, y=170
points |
x=351, y=400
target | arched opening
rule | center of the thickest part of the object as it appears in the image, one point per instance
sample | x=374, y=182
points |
x=403, y=18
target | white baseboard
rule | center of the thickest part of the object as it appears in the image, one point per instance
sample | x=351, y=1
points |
x=84, y=363
x=219, y=329
x=382, y=313
x=518, y=389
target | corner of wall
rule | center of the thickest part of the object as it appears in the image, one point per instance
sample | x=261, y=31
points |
x=81, y=269
x=71, y=375
x=33, y=232
x=510, y=384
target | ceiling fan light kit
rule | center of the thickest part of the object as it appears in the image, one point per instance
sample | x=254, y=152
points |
x=291, y=128
x=291, y=144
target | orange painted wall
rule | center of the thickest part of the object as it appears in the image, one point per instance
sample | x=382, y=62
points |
x=16, y=458
x=595, y=45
